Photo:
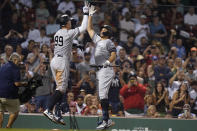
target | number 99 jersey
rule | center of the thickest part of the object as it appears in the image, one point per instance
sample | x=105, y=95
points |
x=63, y=41
x=61, y=60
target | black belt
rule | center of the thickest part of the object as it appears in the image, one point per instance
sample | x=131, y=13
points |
x=97, y=67
x=58, y=55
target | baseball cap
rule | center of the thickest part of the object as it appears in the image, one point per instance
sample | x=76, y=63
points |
x=132, y=75
x=143, y=17
x=193, y=49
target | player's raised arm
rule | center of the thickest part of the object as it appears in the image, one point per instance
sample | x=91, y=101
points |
x=84, y=23
x=90, y=26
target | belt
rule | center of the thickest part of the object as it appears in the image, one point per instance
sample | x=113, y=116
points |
x=58, y=55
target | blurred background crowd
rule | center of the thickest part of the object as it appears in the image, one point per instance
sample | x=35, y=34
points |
x=156, y=49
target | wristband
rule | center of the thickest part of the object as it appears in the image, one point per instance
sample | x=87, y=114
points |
x=85, y=13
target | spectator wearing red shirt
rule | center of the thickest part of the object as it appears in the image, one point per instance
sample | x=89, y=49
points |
x=133, y=94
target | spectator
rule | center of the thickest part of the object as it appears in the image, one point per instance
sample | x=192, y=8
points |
x=47, y=52
x=84, y=66
x=70, y=97
x=44, y=91
x=190, y=19
x=86, y=84
x=152, y=111
x=193, y=95
x=82, y=92
x=144, y=44
x=51, y=27
x=93, y=110
x=133, y=94
x=148, y=101
x=150, y=72
x=13, y=38
x=43, y=39
x=180, y=48
x=8, y=51
x=72, y=108
x=33, y=33
x=175, y=84
x=34, y=58
x=190, y=75
x=66, y=5
x=130, y=44
x=193, y=57
x=15, y=23
x=126, y=27
x=95, y=102
x=80, y=105
x=178, y=64
x=10, y=81
x=42, y=14
x=122, y=57
x=180, y=98
x=149, y=53
x=88, y=102
x=141, y=30
x=19, y=51
x=160, y=96
x=187, y=113
x=171, y=65
x=125, y=71
x=162, y=71
x=157, y=29
x=117, y=45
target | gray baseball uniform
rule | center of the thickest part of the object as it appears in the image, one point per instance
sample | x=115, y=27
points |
x=61, y=60
x=104, y=75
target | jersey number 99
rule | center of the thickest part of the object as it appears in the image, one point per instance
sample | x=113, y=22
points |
x=59, y=41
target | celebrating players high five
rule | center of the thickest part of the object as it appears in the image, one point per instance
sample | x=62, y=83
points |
x=105, y=54
x=60, y=62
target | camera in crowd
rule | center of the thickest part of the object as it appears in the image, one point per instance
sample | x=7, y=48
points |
x=26, y=94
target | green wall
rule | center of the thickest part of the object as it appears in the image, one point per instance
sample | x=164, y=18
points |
x=121, y=124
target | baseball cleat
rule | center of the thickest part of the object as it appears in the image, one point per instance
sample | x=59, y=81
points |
x=49, y=115
x=59, y=120
x=105, y=125
x=102, y=126
x=110, y=123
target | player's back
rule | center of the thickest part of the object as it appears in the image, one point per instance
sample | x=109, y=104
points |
x=63, y=41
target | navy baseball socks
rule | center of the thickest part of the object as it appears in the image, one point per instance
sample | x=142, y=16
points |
x=106, y=122
x=56, y=97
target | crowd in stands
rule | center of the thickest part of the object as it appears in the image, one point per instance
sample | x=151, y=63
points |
x=156, y=49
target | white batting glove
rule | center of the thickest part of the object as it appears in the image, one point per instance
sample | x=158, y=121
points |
x=106, y=64
x=92, y=10
x=86, y=7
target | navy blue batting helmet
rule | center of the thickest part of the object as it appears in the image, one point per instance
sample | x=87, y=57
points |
x=64, y=20
x=109, y=30
x=73, y=23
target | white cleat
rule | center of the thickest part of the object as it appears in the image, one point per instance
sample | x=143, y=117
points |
x=102, y=126
x=59, y=120
x=49, y=115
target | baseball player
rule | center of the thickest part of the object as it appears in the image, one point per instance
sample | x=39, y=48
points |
x=60, y=62
x=105, y=54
